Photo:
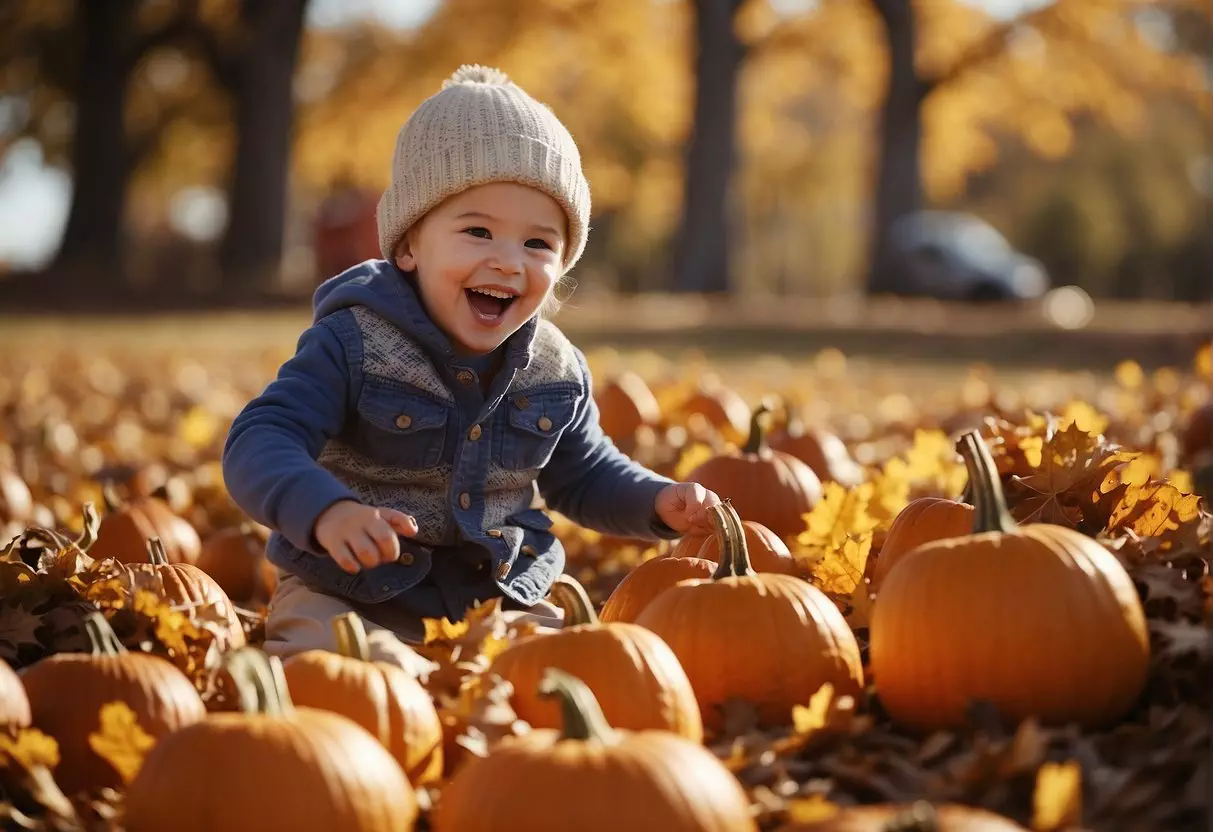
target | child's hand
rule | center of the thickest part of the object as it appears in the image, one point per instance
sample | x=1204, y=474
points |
x=356, y=535
x=684, y=506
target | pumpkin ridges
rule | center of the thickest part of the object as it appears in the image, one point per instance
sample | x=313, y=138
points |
x=923, y=520
x=648, y=580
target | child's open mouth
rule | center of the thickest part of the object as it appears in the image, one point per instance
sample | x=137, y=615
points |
x=489, y=305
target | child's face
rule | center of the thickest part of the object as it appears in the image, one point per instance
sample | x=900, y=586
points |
x=486, y=259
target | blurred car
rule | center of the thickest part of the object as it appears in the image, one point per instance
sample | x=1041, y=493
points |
x=955, y=256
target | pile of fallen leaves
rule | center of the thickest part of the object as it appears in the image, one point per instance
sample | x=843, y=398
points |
x=1096, y=454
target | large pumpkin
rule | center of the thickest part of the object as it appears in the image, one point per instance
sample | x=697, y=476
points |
x=772, y=640
x=1039, y=620
x=273, y=766
x=382, y=698
x=66, y=692
x=14, y=704
x=768, y=487
x=127, y=526
x=184, y=585
x=651, y=578
x=634, y=675
x=921, y=521
x=594, y=778
x=891, y=817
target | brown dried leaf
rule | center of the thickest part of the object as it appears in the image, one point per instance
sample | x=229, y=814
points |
x=1184, y=637
x=18, y=628
x=1063, y=490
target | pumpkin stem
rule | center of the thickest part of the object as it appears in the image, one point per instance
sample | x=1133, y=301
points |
x=571, y=596
x=112, y=501
x=156, y=553
x=758, y=435
x=582, y=715
x=990, y=512
x=734, y=551
x=101, y=636
x=92, y=525
x=259, y=681
x=351, y=636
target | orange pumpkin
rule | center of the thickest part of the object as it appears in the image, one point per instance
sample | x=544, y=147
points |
x=127, y=527
x=721, y=407
x=382, y=698
x=921, y=521
x=821, y=450
x=66, y=692
x=183, y=584
x=626, y=404
x=634, y=675
x=599, y=779
x=1039, y=620
x=885, y=817
x=773, y=640
x=648, y=580
x=768, y=553
x=235, y=558
x=14, y=704
x=769, y=487
x=272, y=766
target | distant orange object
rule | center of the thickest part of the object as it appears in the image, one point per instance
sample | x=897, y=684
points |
x=344, y=232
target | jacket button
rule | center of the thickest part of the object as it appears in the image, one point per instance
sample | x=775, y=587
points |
x=494, y=532
x=465, y=501
x=544, y=423
x=474, y=433
x=405, y=559
x=529, y=551
x=522, y=402
x=403, y=421
x=503, y=571
x=465, y=377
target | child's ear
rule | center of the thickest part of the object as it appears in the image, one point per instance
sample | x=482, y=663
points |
x=404, y=255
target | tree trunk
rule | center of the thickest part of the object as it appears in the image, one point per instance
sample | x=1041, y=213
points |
x=251, y=252
x=898, y=187
x=702, y=242
x=91, y=251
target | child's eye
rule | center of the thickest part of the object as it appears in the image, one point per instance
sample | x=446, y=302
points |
x=478, y=231
x=535, y=242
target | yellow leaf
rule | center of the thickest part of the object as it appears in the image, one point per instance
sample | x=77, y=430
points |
x=1084, y=416
x=1057, y=800
x=1204, y=361
x=840, y=514
x=29, y=748
x=441, y=629
x=120, y=741
x=807, y=719
x=840, y=571
x=198, y=427
x=812, y=809
x=692, y=456
x=1181, y=481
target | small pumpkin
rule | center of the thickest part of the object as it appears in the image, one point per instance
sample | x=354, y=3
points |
x=720, y=406
x=769, y=487
x=66, y=692
x=271, y=766
x=625, y=405
x=382, y=698
x=920, y=816
x=821, y=450
x=921, y=521
x=634, y=675
x=600, y=779
x=651, y=578
x=1039, y=620
x=183, y=584
x=771, y=639
x=768, y=552
x=235, y=558
x=128, y=526
x=14, y=704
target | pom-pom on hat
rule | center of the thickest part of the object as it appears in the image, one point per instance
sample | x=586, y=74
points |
x=479, y=128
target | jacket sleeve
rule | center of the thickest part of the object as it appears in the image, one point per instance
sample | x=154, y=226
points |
x=596, y=485
x=269, y=458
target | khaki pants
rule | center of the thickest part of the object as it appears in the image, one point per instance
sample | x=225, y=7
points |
x=300, y=618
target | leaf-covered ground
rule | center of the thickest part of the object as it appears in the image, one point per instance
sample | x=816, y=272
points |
x=1103, y=455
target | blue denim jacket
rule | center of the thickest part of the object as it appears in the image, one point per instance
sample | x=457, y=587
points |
x=376, y=406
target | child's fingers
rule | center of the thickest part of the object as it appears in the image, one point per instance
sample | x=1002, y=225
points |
x=343, y=556
x=400, y=522
x=365, y=549
x=386, y=540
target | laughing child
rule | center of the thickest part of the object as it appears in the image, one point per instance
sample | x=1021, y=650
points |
x=399, y=454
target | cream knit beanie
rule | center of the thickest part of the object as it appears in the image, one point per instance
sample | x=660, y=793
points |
x=480, y=128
